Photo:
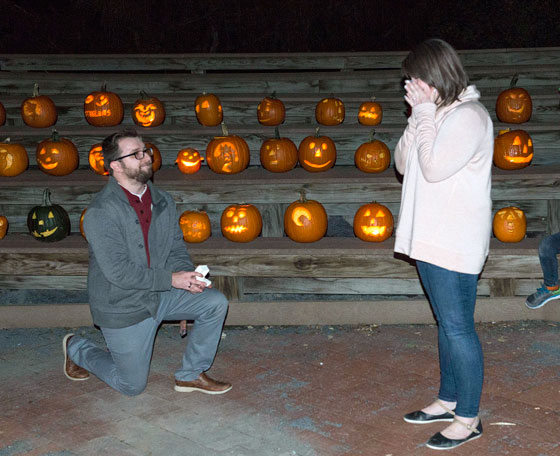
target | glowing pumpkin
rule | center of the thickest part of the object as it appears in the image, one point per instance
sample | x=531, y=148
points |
x=189, y=160
x=2, y=115
x=148, y=111
x=330, y=111
x=103, y=108
x=227, y=154
x=370, y=113
x=514, y=105
x=513, y=149
x=241, y=222
x=156, y=156
x=3, y=226
x=317, y=153
x=38, y=111
x=278, y=155
x=57, y=156
x=195, y=226
x=373, y=156
x=82, y=232
x=271, y=111
x=13, y=159
x=96, y=160
x=305, y=220
x=48, y=222
x=373, y=222
x=510, y=224
x=208, y=109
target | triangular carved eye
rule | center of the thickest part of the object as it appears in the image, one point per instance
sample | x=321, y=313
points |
x=530, y=143
x=50, y=214
x=517, y=141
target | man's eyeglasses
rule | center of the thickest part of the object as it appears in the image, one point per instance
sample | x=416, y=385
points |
x=138, y=155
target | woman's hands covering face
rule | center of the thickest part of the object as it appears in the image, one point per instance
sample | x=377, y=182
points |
x=417, y=92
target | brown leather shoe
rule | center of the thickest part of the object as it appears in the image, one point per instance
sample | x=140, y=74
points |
x=204, y=384
x=71, y=369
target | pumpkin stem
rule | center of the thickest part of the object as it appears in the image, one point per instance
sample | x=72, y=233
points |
x=7, y=140
x=317, y=132
x=36, y=90
x=143, y=94
x=276, y=133
x=514, y=80
x=273, y=95
x=224, y=129
x=372, y=98
x=46, y=197
x=55, y=136
x=104, y=86
x=371, y=134
x=302, y=198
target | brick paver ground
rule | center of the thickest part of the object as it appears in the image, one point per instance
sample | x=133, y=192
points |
x=298, y=391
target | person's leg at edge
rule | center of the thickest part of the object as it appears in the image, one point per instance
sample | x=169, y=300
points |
x=549, y=248
x=454, y=295
x=208, y=310
x=125, y=367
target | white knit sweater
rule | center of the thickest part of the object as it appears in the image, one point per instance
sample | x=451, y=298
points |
x=445, y=156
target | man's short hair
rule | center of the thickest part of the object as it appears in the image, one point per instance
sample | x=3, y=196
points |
x=111, y=150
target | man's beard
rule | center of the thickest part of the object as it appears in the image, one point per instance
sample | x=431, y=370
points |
x=141, y=175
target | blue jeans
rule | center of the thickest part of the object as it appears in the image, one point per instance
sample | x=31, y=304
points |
x=125, y=367
x=549, y=247
x=453, y=296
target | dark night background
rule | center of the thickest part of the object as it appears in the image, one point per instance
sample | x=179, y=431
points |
x=173, y=26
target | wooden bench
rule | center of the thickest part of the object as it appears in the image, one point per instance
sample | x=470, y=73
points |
x=272, y=279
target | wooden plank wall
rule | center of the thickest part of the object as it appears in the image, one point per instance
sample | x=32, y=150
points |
x=263, y=268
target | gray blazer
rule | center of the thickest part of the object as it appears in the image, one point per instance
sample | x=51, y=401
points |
x=123, y=290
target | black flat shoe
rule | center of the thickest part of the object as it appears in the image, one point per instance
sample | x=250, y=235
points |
x=419, y=417
x=440, y=442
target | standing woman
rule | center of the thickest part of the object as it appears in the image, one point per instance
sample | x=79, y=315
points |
x=445, y=156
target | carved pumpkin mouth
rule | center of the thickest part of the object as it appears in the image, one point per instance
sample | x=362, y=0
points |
x=235, y=229
x=48, y=166
x=516, y=110
x=524, y=159
x=46, y=233
x=314, y=165
x=301, y=216
x=373, y=230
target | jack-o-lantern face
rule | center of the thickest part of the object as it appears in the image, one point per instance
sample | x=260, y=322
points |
x=513, y=149
x=330, y=111
x=13, y=159
x=241, y=222
x=103, y=109
x=189, y=160
x=317, y=153
x=228, y=154
x=373, y=156
x=3, y=226
x=195, y=226
x=49, y=222
x=38, y=111
x=370, y=113
x=57, y=156
x=96, y=160
x=510, y=224
x=305, y=220
x=278, y=155
x=148, y=112
x=514, y=105
x=271, y=111
x=373, y=222
x=208, y=109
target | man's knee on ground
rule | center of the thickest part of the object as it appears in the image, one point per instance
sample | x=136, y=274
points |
x=132, y=389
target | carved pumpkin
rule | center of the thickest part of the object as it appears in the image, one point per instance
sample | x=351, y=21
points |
x=156, y=156
x=227, y=154
x=82, y=232
x=195, y=226
x=370, y=113
x=13, y=159
x=373, y=222
x=96, y=160
x=103, y=108
x=2, y=115
x=330, y=111
x=208, y=109
x=49, y=222
x=513, y=149
x=305, y=220
x=57, y=156
x=3, y=226
x=373, y=156
x=241, y=222
x=510, y=224
x=514, y=105
x=271, y=111
x=148, y=111
x=38, y=111
x=278, y=155
x=189, y=160
x=317, y=153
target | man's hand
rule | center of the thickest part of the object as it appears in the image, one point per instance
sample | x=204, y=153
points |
x=186, y=280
